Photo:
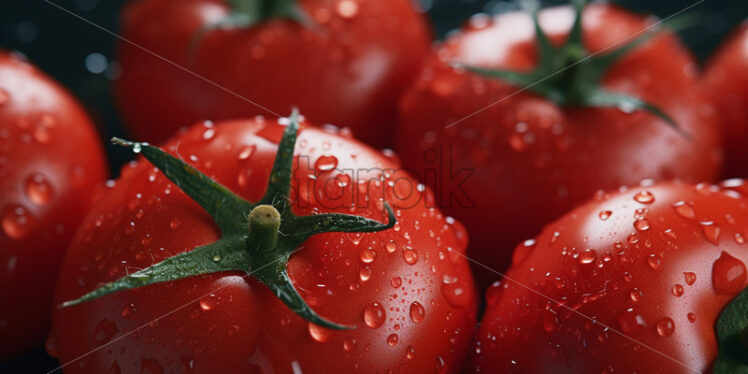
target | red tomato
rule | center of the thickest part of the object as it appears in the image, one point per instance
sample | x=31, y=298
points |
x=407, y=290
x=50, y=163
x=347, y=67
x=727, y=77
x=647, y=270
x=532, y=159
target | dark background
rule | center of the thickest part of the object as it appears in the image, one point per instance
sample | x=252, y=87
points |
x=81, y=57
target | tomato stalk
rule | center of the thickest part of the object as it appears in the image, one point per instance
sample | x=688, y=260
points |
x=569, y=75
x=257, y=238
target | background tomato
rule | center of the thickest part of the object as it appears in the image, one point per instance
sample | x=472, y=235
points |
x=648, y=269
x=532, y=159
x=50, y=163
x=408, y=289
x=347, y=68
x=727, y=77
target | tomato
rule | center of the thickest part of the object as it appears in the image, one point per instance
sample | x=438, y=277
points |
x=527, y=157
x=346, y=64
x=726, y=76
x=50, y=164
x=631, y=281
x=407, y=291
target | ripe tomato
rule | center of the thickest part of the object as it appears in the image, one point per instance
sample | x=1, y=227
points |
x=50, y=163
x=532, y=158
x=632, y=281
x=726, y=76
x=407, y=290
x=346, y=64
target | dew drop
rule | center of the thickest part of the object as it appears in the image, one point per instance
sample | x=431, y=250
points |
x=392, y=340
x=711, y=231
x=654, y=261
x=128, y=311
x=319, y=333
x=16, y=221
x=38, y=189
x=684, y=209
x=349, y=344
x=367, y=256
x=728, y=275
x=396, y=282
x=605, y=214
x=691, y=317
x=364, y=274
x=678, y=290
x=739, y=238
x=417, y=312
x=326, y=163
x=410, y=256
x=137, y=148
x=391, y=246
x=630, y=321
x=174, y=223
x=644, y=197
x=587, y=257
x=374, y=315
x=410, y=353
x=208, y=302
x=347, y=8
x=641, y=225
x=636, y=294
x=246, y=151
x=689, y=277
x=455, y=294
x=665, y=327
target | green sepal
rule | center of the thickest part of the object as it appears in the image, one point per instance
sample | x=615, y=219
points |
x=228, y=210
x=335, y=222
x=279, y=186
x=224, y=255
x=732, y=337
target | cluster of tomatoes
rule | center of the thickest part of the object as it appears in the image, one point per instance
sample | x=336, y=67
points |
x=524, y=124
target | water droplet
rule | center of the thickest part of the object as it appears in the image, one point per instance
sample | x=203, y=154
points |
x=391, y=246
x=728, y=275
x=630, y=321
x=588, y=256
x=417, y=312
x=642, y=225
x=678, y=290
x=349, y=344
x=374, y=315
x=689, y=277
x=326, y=163
x=654, y=261
x=174, y=223
x=665, y=327
x=38, y=189
x=209, y=133
x=691, y=317
x=128, y=311
x=208, y=302
x=367, y=256
x=711, y=231
x=396, y=282
x=636, y=294
x=319, y=333
x=684, y=209
x=644, y=197
x=217, y=257
x=455, y=294
x=410, y=256
x=392, y=340
x=739, y=238
x=605, y=214
x=104, y=331
x=410, y=353
x=246, y=152
x=16, y=221
x=365, y=273
x=137, y=148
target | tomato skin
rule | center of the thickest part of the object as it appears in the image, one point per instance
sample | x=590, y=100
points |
x=50, y=164
x=533, y=160
x=349, y=70
x=137, y=223
x=663, y=264
x=726, y=76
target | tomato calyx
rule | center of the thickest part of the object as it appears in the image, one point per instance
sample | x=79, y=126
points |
x=256, y=238
x=569, y=75
x=732, y=336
